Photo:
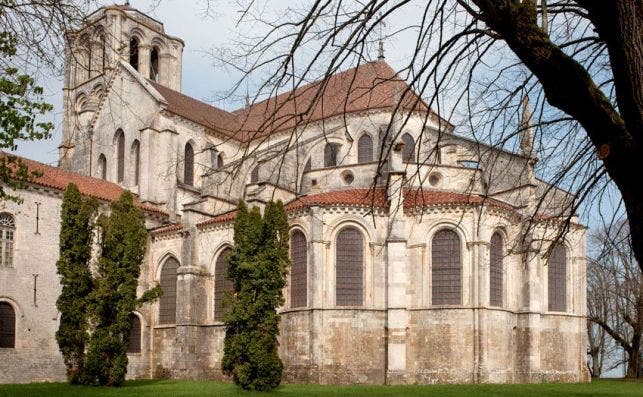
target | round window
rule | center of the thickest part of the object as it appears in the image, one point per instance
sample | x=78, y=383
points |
x=348, y=177
x=434, y=179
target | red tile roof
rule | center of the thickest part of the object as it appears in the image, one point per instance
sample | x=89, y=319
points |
x=354, y=197
x=173, y=227
x=57, y=178
x=413, y=198
x=222, y=218
x=198, y=112
x=370, y=86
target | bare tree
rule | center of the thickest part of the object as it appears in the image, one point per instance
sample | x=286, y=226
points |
x=615, y=287
x=579, y=61
x=603, y=354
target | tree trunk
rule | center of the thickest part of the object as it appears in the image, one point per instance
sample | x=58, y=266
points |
x=596, y=364
x=634, y=364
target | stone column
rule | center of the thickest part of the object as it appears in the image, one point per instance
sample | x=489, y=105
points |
x=191, y=309
x=144, y=52
x=528, y=322
x=397, y=276
x=316, y=277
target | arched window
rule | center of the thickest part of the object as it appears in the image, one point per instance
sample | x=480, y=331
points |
x=85, y=59
x=254, y=175
x=120, y=155
x=188, y=171
x=167, y=301
x=495, y=270
x=98, y=51
x=154, y=64
x=133, y=52
x=446, y=271
x=299, y=270
x=135, y=158
x=134, y=342
x=220, y=161
x=349, y=254
x=557, y=279
x=331, y=150
x=102, y=166
x=408, y=152
x=223, y=286
x=7, y=326
x=7, y=231
x=307, y=166
x=365, y=149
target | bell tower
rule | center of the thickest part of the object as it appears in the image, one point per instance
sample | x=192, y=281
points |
x=114, y=37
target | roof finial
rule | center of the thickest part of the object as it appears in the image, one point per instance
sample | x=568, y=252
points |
x=526, y=132
x=380, y=55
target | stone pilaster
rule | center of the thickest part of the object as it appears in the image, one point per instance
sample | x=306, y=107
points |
x=397, y=276
x=191, y=308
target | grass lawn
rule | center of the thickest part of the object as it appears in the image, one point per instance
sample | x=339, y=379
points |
x=167, y=388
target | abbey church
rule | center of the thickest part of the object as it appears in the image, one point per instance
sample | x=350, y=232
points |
x=418, y=255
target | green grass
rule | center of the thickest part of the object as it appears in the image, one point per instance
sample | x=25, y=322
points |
x=171, y=388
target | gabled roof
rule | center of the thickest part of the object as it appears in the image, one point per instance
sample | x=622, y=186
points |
x=370, y=86
x=59, y=179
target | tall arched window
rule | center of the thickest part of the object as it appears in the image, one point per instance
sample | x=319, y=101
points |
x=102, y=166
x=299, y=270
x=446, y=269
x=167, y=301
x=120, y=155
x=331, y=150
x=222, y=285
x=349, y=256
x=154, y=64
x=7, y=326
x=85, y=57
x=135, y=158
x=557, y=279
x=188, y=163
x=254, y=175
x=365, y=149
x=408, y=152
x=220, y=161
x=133, y=52
x=134, y=341
x=308, y=165
x=495, y=270
x=7, y=231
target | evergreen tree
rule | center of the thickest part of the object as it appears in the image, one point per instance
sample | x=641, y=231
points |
x=258, y=266
x=76, y=279
x=123, y=245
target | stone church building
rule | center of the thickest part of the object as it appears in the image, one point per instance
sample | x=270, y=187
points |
x=418, y=255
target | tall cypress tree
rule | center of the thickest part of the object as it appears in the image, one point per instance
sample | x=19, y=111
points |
x=124, y=239
x=76, y=235
x=258, y=266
